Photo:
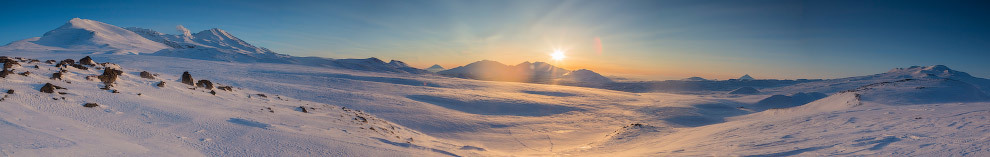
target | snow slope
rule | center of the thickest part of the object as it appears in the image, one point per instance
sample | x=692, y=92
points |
x=135, y=117
x=485, y=118
x=89, y=35
x=946, y=118
x=914, y=72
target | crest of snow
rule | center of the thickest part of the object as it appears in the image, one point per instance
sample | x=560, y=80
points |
x=435, y=68
x=94, y=35
x=585, y=75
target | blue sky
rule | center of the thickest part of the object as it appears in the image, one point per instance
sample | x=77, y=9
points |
x=646, y=39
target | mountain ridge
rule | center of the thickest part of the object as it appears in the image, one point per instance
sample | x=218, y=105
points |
x=90, y=36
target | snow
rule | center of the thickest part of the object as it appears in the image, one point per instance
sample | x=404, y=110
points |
x=914, y=111
x=82, y=34
x=145, y=120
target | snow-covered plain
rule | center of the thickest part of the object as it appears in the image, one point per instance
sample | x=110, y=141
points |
x=915, y=111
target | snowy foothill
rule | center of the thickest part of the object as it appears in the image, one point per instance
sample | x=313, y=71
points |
x=286, y=106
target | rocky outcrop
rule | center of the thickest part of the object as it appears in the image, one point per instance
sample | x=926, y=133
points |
x=49, y=88
x=205, y=84
x=87, y=61
x=109, y=76
x=57, y=75
x=147, y=75
x=187, y=79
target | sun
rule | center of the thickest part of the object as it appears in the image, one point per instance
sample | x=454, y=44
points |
x=557, y=55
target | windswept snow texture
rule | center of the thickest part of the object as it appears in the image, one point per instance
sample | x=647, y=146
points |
x=482, y=118
x=135, y=117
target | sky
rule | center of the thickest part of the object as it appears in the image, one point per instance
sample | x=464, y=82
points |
x=641, y=39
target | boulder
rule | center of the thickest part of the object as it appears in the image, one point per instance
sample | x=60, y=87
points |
x=57, y=75
x=161, y=84
x=205, y=84
x=87, y=61
x=226, y=88
x=109, y=76
x=187, y=79
x=147, y=75
x=90, y=105
x=49, y=88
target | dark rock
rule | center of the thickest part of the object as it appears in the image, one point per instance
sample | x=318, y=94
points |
x=147, y=75
x=161, y=84
x=87, y=61
x=50, y=61
x=262, y=95
x=90, y=105
x=37, y=67
x=8, y=63
x=303, y=109
x=213, y=92
x=50, y=88
x=57, y=75
x=10, y=91
x=226, y=88
x=187, y=79
x=80, y=67
x=65, y=62
x=5, y=72
x=109, y=76
x=205, y=84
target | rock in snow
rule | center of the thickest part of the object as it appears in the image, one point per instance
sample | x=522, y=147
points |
x=187, y=78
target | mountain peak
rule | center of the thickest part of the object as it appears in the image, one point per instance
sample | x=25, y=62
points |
x=746, y=77
x=940, y=71
x=84, y=34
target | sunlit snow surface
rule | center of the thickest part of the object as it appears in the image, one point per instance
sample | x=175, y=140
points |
x=449, y=116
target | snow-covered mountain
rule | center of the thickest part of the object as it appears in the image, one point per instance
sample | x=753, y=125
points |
x=746, y=77
x=531, y=72
x=896, y=74
x=89, y=36
x=435, y=68
x=212, y=44
x=695, y=78
x=585, y=76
